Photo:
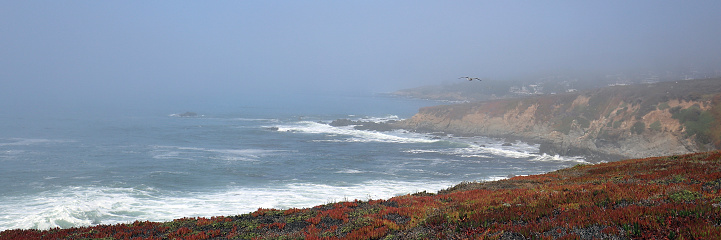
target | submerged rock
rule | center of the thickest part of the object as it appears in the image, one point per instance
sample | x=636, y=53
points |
x=342, y=123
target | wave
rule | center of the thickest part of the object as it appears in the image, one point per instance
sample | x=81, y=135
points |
x=510, y=153
x=75, y=206
x=477, y=151
x=92, y=205
x=548, y=158
x=489, y=152
x=353, y=135
x=29, y=141
x=350, y=171
x=518, y=150
x=187, y=153
x=272, y=120
x=379, y=119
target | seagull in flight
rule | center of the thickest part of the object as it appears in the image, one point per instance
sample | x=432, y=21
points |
x=470, y=78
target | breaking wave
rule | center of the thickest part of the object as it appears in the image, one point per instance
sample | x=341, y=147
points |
x=86, y=206
x=353, y=135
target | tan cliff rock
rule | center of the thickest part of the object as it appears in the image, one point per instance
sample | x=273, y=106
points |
x=630, y=121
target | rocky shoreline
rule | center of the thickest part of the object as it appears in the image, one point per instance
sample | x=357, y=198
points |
x=546, y=146
x=607, y=124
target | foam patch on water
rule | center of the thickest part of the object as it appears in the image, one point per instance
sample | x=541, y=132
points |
x=353, y=135
x=188, y=153
x=350, y=171
x=380, y=119
x=477, y=152
x=28, y=141
x=273, y=120
x=550, y=158
x=491, y=152
x=85, y=206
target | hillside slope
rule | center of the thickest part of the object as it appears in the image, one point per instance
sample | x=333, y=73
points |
x=630, y=121
x=675, y=197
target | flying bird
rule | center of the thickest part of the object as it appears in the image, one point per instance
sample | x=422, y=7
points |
x=470, y=78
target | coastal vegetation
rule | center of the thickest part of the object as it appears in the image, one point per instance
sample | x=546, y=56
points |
x=671, y=197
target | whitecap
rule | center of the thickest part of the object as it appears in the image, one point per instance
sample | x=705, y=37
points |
x=549, y=158
x=91, y=205
x=71, y=207
x=177, y=152
x=511, y=153
x=419, y=151
x=30, y=141
x=273, y=120
x=350, y=171
x=380, y=119
x=495, y=178
x=467, y=152
x=354, y=135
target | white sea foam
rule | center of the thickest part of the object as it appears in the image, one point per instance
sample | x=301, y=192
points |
x=380, y=119
x=417, y=151
x=476, y=152
x=350, y=171
x=273, y=120
x=510, y=153
x=74, y=206
x=548, y=158
x=84, y=206
x=491, y=149
x=29, y=141
x=181, y=115
x=176, y=152
x=353, y=135
x=495, y=178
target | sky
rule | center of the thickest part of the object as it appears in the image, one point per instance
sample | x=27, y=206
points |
x=134, y=52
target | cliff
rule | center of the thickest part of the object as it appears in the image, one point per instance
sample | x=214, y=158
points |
x=628, y=121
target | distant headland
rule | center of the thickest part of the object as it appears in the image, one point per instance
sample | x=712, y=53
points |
x=623, y=121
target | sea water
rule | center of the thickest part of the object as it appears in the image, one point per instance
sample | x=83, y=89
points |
x=82, y=168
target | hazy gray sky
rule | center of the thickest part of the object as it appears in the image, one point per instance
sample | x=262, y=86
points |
x=109, y=51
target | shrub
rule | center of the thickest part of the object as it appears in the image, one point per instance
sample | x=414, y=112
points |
x=638, y=127
x=691, y=114
x=655, y=126
x=696, y=122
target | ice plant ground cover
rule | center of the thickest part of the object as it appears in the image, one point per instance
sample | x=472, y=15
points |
x=672, y=197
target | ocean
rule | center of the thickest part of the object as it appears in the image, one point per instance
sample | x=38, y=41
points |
x=81, y=168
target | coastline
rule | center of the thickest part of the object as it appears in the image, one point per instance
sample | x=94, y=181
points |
x=632, y=121
x=546, y=146
x=659, y=197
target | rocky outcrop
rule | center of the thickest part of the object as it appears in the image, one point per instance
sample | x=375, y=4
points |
x=630, y=121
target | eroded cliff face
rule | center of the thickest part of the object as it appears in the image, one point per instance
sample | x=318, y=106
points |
x=631, y=121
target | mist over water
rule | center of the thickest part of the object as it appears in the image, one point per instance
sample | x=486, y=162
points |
x=138, y=53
